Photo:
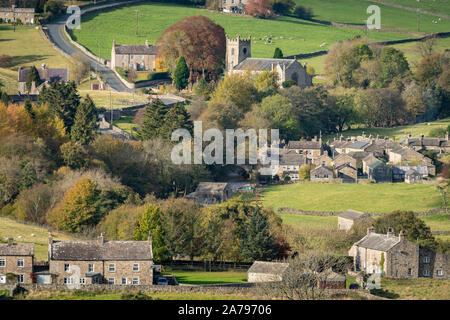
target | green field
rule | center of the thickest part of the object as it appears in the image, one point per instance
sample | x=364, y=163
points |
x=27, y=47
x=200, y=277
x=416, y=289
x=13, y=228
x=381, y=197
x=436, y=6
x=354, y=12
x=290, y=34
x=310, y=222
x=396, y=133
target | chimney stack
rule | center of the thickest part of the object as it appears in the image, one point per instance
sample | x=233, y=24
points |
x=390, y=232
x=10, y=241
x=50, y=238
x=401, y=235
x=146, y=43
x=101, y=239
x=370, y=230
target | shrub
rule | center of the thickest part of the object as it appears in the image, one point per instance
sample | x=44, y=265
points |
x=5, y=61
x=288, y=83
x=158, y=76
x=135, y=296
x=303, y=13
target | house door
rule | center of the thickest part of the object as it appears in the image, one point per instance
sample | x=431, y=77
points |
x=2, y=279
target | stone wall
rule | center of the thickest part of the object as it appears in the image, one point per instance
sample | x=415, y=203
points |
x=335, y=213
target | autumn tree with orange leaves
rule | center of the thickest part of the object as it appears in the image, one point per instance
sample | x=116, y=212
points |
x=259, y=8
x=200, y=41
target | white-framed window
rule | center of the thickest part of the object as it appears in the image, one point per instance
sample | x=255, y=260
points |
x=68, y=280
x=112, y=267
x=426, y=259
x=111, y=280
x=136, y=267
x=20, y=263
x=82, y=281
x=20, y=278
x=66, y=267
x=2, y=263
x=90, y=267
x=439, y=272
x=426, y=273
x=135, y=281
x=124, y=280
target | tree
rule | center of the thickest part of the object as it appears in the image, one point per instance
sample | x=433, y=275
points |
x=304, y=171
x=85, y=123
x=278, y=54
x=259, y=8
x=63, y=101
x=394, y=66
x=266, y=83
x=176, y=118
x=4, y=98
x=29, y=108
x=77, y=210
x=415, y=229
x=27, y=175
x=200, y=41
x=150, y=222
x=153, y=120
x=74, y=155
x=181, y=74
x=33, y=76
x=257, y=242
x=80, y=67
x=303, y=13
x=283, y=7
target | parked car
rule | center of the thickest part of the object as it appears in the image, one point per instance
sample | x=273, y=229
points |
x=163, y=282
x=354, y=286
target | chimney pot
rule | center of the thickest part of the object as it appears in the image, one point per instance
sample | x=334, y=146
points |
x=401, y=235
x=50, y=238
x=10, y=241
x=146, y=43
x=370, y=230
x=101, y=239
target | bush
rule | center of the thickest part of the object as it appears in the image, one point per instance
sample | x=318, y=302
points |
x=158, y=76
x=289, y=83
x=303, y=13
x=135, y=296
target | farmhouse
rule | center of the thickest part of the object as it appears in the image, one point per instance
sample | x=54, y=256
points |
x=16, y=259
x=208, y=193
x=238, y=60
x=262, y=271
x=133, y=57
x=13, y=14
x=46, y=75
x=235, y=6
x=101, y=261
x=348, y=218
x=396, y=257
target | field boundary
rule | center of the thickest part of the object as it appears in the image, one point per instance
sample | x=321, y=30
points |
x=335, y=213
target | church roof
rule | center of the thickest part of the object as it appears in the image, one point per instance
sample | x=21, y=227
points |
x=263, y=64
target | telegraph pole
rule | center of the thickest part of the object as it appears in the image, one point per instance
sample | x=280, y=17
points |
x=136, y=21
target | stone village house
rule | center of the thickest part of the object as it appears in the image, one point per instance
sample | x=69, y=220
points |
x=133, y=57
x=396, y=257
x=311, y=149
x=101, y=261
x=321, y=174
x=16, y=259
x=47, y=76
x=208, y=193
x=11, y=14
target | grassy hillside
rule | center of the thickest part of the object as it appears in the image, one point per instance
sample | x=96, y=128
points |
x=381, y=197
x=354, y=12
x=399, y=132
x=13, y=228
x=27, y=47
x=436, y=6
x=416, y=289
x=290, y=34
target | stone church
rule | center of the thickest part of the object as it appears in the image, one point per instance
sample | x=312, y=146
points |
x=239, y=60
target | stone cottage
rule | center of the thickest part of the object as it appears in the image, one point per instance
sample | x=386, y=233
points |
x=11, y=14
x=311, y=149
x=321, y=174
x=46, y=75
x=412, y=176
x=263, y=271
x=133, y=57
x=16, y=259
x=380, y=172
x=208, y=193
x=101, y=261
x=290, y=163
x=348, y=218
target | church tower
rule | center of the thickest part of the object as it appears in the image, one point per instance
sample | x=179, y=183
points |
x=237, y=51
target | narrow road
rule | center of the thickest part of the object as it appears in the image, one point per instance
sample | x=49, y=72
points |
x=56, y=35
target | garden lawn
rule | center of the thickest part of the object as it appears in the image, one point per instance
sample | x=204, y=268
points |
x=292, y=35
x=13, y=228
x=381, y=197
x=200, y=277
x=396, y=133
x=416, y=289
x=101, y=98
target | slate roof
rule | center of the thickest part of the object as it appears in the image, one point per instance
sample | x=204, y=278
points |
x=370, y=159
x=292, y=158
x=304, y=144
x=17, y=249
x=358, y=155
x=47, y=74
x=412, y=172
x=268, y=267
x=322, y=170
x=423, y=170
x=263, y=64
x=358, y=145
x=376, y=164
x=211, y=187
x=351, y=214
x=135, y=49
x=95, y=250
x=376, y=241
